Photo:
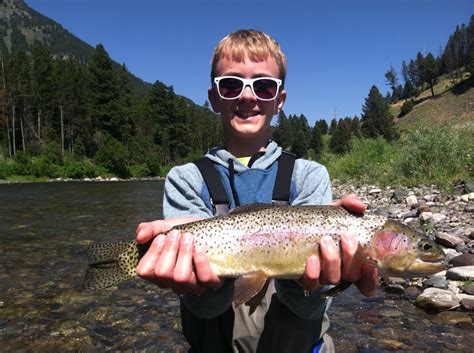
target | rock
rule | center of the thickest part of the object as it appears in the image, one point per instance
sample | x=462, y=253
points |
x=411, y=201
x=437, y=299
x=452, y=318
x=394, y=345
x=450, y=254
x=469, y=208
x=467, y=304
x=395, y=289
x=463, y=273
x=438, y=217
x=468, y=288
x=424, y=216
x=410, y=214
x=382, y=212
x=448, y=240
x=436, y=282
x=375, y=191
x=411, y=293
x=423, y=208
x=394, y=211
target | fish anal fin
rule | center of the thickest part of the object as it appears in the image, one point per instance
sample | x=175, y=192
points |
x=338, y=289
x=248, y=286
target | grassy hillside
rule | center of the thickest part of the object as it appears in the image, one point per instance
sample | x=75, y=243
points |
x=452, y=105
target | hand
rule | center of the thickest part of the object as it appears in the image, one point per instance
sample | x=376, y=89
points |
x=169, y=260
x=340, y=265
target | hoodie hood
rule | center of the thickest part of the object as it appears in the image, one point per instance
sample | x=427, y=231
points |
x=221, y=156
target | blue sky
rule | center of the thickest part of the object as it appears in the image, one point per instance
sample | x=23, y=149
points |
x=336, y=50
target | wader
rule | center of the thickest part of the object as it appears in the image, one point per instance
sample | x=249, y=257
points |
x=272, y=328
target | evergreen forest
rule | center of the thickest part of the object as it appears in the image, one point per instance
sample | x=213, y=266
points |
x=61, y=117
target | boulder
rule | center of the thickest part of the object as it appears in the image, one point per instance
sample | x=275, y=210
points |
x=463, y=260
x=437, y=299
x=463, y=273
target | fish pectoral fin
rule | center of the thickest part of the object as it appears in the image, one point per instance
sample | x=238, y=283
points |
x=335, y=291
x=248, y=286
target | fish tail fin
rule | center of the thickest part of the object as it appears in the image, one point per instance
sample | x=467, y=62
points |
x=110, y=264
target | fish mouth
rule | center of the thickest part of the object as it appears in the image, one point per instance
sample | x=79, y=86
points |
x=422, y=268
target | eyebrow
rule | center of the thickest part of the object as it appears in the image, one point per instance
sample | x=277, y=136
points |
x=257, y=75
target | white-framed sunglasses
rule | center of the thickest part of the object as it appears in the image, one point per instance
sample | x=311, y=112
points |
x=232, y=87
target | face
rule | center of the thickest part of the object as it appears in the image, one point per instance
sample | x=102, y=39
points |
x=246, y=116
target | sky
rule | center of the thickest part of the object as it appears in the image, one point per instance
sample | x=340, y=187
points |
x=336, y=50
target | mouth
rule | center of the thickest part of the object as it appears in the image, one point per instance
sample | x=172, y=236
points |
x=246, y=114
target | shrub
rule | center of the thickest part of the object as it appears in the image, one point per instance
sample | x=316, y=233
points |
x=139, y=170
x=436, y=155
x=112, y=156
x=406, y=107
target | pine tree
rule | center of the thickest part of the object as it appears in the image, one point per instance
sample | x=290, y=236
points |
x=341, y=138
x=332, y=126
x=323, y=127
x=316, y=141
x=376, y=119
x=470, y=50
x=429, y=71
x=283, y=133
x=104, y=95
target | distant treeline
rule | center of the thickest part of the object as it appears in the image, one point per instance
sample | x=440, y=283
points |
x=61, y=118
x=55, y=111
x=425, y=68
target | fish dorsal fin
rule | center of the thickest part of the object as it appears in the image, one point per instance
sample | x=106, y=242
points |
x=251, y=208
x=248, y=286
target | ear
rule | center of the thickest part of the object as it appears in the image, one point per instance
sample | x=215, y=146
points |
x=213, y=98
x=280, y=102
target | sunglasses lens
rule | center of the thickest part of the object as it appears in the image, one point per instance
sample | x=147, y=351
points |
x=230, y=87
x=265, y=89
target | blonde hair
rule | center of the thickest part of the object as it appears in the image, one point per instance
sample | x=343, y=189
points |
x=255, y=45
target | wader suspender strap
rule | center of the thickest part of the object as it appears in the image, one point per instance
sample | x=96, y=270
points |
x=219, y=198
x=281, y=190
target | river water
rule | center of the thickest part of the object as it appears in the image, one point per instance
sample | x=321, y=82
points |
x=44, y=231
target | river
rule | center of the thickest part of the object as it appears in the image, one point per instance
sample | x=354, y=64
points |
x=44, y=231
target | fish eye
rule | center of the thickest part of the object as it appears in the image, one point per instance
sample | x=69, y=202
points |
x=425, y=246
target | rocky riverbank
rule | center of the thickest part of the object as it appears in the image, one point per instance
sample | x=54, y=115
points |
x=445, y=216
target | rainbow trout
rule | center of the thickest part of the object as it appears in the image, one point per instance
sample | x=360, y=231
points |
x=257, y=242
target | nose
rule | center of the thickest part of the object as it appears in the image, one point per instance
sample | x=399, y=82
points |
x=247, y=93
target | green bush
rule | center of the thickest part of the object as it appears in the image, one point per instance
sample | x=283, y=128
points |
x=436, y=155
x=139, y=170
x=52, y=152
x=406, y=107
x=370, y=160
x=112, y=156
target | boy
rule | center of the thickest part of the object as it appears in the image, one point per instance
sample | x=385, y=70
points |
x=248, y=75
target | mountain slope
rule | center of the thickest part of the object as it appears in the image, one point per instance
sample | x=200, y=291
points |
x=21, y=26
x=452, y=105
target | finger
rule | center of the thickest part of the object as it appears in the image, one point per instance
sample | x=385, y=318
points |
x=310, y=279
x=351, y=202
x=164, y=267
x=351, y=266
x=330, y=261
x=204, y=272
x=369, y=280
x=146, y=265
x=184, y=263
x=146, y=231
